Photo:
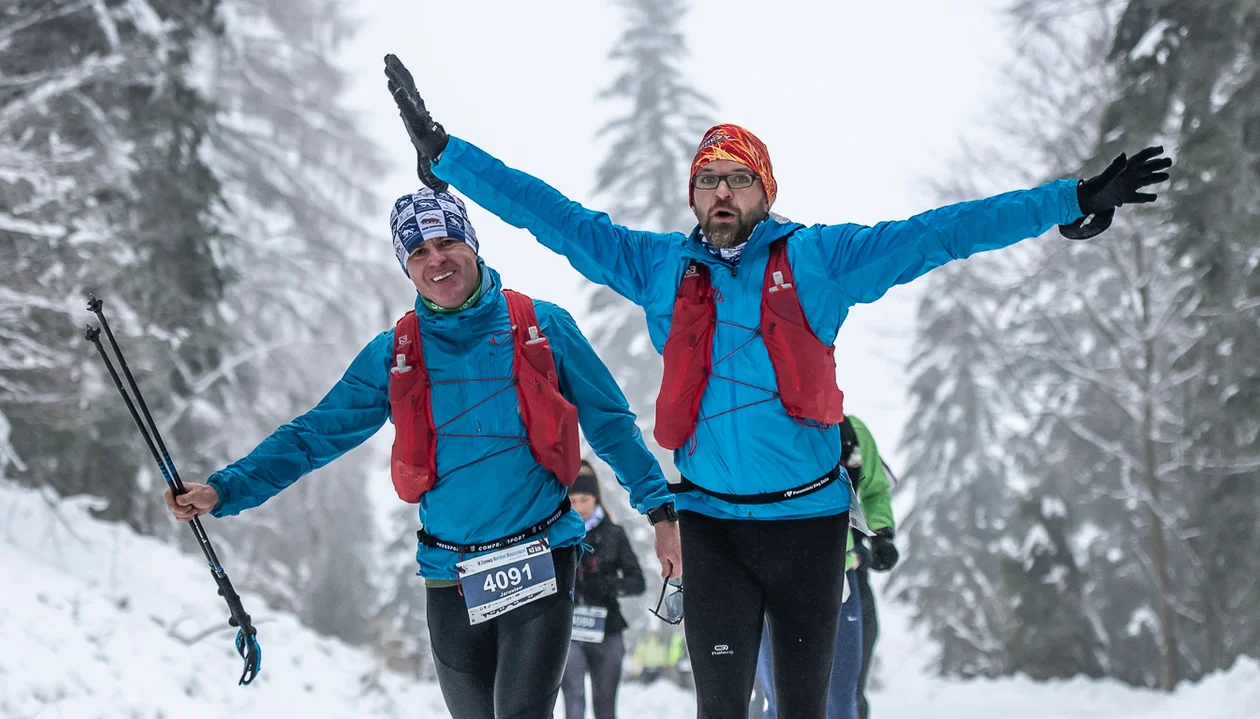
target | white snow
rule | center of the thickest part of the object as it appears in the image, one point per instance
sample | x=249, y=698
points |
x=7, y=454
x=1150, y=41
x=1053, y=507
x=100, y=622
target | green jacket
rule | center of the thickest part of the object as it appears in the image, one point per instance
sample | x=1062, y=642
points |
x=872, y=486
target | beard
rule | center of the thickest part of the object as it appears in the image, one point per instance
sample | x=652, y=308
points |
x=731, y=234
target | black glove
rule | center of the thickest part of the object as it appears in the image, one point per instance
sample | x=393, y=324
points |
x=1120, y=184
x=884, y=553
x=424, y=170
x=427, y=135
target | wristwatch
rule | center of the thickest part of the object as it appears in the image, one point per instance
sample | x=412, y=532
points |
x=663, y=513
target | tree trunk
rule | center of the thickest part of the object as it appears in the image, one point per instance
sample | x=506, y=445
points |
x=1170, y=675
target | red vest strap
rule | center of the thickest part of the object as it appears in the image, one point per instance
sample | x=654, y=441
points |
x=804, y=367
x=551, y=421
x=413, y=460
x=688, y=358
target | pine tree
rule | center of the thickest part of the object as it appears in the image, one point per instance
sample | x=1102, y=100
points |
x=295, y=172
x=1053, y=635
x=311, y=289
x=958, y=474
x=189, y=161
x=644, y=179
x=401, y=628
x=104, y=188
x=1188, y=76
x=1118, y=368
x=319, y=541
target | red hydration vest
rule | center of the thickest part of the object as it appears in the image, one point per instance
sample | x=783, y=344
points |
x=550, y=419
x=804, y=367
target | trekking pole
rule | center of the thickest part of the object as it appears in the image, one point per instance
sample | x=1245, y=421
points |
x=246, y=641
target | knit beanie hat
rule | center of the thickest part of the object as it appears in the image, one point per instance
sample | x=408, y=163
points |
x=424, y=215
x=586, y=482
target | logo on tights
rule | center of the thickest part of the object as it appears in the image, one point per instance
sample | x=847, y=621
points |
x=720, y=649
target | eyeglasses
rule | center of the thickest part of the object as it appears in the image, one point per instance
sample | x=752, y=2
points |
x=735, y=181
x=671, y=603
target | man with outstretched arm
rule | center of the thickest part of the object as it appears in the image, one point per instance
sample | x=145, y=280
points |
x=745, y=309
x=486, y=389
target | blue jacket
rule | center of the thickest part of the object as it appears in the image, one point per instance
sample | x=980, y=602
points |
x=757, y=448
x=489, y=486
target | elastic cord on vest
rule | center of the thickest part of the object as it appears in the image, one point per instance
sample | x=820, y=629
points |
x=814, y=485
x=551, y=420
x=429, y=540
x=804, y=367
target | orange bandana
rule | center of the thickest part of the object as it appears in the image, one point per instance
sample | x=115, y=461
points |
x=732, y=142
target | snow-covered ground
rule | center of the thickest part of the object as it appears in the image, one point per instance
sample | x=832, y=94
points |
x=98, y=622
x=908, y=691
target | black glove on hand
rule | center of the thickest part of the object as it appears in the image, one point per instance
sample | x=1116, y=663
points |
x=424, y=170
x=427, y=136
x=1120, y=184
x=884, y=553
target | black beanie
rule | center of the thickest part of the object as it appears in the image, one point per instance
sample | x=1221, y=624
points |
x=586, y=484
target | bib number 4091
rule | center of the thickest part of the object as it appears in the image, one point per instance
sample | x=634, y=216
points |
x=501, y=580
x=496, y=583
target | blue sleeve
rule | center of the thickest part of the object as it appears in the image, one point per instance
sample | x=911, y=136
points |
x=868, y=261
x=603, y=252
x=348, y=415
x=604, y=413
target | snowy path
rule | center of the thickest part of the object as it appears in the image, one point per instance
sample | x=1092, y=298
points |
x=96, y=622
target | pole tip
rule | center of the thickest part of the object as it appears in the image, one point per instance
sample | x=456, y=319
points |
x=92, y=334
x=94, y=304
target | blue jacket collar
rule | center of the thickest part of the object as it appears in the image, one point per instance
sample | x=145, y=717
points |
x=773, y=228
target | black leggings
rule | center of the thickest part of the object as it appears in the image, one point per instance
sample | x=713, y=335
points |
x=603, y=661
x=509, y=667
x=737, y=571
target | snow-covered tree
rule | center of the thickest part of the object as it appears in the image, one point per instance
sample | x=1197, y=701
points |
x=401, y=628
x=643, y=179
x=191, y=162
x=312, y=287
x=1119, y=382
x=103, y=188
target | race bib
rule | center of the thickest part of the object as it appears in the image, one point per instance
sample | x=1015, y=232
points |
x=589, y=624
x=496, y=583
